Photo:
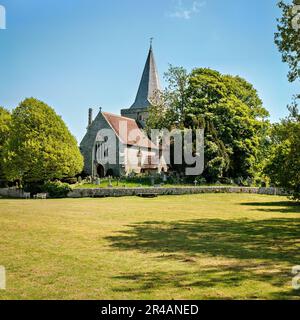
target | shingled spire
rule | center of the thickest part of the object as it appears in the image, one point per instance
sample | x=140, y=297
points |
x=149, y=83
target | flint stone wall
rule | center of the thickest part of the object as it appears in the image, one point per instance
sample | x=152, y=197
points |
x=125, y=192
x=122, y=192
x=11, y=193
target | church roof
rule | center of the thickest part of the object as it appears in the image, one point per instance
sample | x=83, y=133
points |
x=134, y=136
x=149, y=83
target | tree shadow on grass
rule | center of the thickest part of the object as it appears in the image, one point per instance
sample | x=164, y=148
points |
x=277, y=240
x=211, y=277
x=262, y=250
x=275, y=206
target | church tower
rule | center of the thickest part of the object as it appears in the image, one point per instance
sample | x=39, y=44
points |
x=148, y=87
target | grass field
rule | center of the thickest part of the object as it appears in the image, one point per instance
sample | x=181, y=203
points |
x=212, y=246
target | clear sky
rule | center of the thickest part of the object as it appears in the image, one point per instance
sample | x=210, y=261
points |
x=76, y=54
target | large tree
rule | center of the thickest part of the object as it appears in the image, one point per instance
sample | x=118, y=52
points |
x=284, y=161
x=288, y=37
x=235, y=121
x=168, y=108
x=229, y=110
x=5, y=118
x=40, y=146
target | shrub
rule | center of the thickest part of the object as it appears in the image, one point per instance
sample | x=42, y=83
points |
x=57, y=189
x=33, y=188
x=227, y=181
x=296, y=194
x=70, y=180
x=201, y=180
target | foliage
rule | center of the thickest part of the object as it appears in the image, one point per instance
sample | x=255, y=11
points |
x=57, y=189
x=287, y=38
x=284, y=162
x=5, y=118
x=40, y=146
x=234, y=120
x=72, y=180
x=200, y=181
x=230, y=111
x=34, y=187
x=169, y=106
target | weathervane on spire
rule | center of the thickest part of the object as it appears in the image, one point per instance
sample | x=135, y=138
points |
x=151, y=41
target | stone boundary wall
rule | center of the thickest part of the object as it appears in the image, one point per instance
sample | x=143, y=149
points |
x=125, y=192
x=122, y=192
x=11, y=192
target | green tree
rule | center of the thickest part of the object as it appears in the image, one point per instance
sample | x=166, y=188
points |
x=229, y=110
x=5, y=118
x=168, y=109
x=284, y=163
x=235, y=121
x=284, y=160
x=288, y=37
x=40, y=146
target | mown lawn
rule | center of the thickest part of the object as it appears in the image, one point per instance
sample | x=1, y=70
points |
x=210, y=246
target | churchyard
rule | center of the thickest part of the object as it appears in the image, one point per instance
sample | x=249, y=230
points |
x=210, y=246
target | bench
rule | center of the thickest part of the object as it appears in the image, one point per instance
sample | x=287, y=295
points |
x=26, y=195
x=147, y=195
x=40, y=196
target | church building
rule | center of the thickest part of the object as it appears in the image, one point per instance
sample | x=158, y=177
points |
x=134, y=151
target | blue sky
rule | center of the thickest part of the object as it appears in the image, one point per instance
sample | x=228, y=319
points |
x=76, y=54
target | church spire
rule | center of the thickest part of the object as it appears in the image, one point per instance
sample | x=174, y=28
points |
x=149, y=83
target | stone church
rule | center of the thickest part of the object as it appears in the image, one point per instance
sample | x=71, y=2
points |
x=134, y=151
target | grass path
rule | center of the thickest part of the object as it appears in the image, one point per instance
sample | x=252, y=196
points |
x=209, y=246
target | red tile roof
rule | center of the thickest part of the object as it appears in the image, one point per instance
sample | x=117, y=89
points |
x=133, y=135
